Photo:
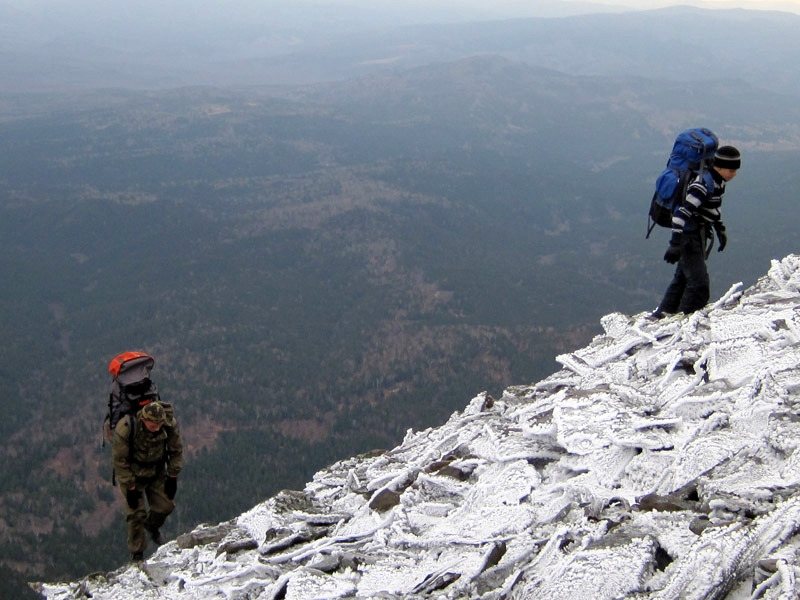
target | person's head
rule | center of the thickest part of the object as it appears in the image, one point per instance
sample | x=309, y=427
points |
x=153, y=416
x=727, y=162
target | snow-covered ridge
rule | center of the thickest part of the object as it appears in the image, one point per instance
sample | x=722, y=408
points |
x=661, y=462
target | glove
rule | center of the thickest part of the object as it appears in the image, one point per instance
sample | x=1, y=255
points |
x=723, y=239
x=171, y=487
x=673, y=254
x=132, y=496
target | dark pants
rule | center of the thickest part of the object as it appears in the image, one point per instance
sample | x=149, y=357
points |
x=139, y=519
x=689, y=289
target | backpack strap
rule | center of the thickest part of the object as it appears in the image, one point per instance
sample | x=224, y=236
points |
x=131, y=432
x=107, y=431
x=650, y=222
x=132, y=426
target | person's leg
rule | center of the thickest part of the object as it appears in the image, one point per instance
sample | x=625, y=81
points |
x=135, y=519
x=672, y=297
x=693, y=264
x=160, y=508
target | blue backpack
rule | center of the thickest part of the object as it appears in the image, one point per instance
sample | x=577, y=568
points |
x=692, y=153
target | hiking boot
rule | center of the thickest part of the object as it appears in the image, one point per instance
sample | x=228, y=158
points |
x=156, y=536
x=659, y=314
x=137, y=557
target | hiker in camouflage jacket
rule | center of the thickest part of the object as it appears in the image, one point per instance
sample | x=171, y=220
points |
x=693, y=224
x=146, y=464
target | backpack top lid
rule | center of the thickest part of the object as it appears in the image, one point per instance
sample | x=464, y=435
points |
x=131, y=367
x=693, y=147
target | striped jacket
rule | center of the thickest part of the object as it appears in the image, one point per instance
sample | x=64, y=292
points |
x=701, y=206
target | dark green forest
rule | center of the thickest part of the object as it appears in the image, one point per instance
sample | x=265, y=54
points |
x=317, y=272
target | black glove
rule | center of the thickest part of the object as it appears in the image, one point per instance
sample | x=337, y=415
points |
x=133, y=496
x=673, y=254
x=171, y=487
x=723, y=239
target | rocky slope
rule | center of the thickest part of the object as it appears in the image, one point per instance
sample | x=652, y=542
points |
x=661, y=462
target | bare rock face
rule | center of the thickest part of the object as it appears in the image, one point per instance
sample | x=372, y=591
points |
x=661, y=462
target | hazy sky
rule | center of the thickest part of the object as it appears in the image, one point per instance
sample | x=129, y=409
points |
x=530, y=6
x=502, y=6
x=786, y=5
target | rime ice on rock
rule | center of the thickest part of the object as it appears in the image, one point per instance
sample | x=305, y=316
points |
x=661, y=462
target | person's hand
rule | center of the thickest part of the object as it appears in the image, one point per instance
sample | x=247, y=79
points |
x=673, y=254
x=171, y=487
x=723, y=239
x=132, y=496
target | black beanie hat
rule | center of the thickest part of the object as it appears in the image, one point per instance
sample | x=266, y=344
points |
x=728, y=157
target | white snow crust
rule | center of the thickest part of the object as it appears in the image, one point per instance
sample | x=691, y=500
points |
x=661, y=462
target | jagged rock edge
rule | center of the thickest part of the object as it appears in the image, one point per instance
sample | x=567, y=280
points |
x=568, y=471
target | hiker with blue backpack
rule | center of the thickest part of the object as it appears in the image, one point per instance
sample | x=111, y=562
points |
x=694, y=188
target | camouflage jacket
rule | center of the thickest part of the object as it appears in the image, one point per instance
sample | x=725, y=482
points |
x=150, y=454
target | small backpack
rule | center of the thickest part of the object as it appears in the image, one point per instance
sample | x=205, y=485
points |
x=131, y=387
x=692, y=152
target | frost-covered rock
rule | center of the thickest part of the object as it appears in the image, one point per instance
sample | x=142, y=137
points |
x=661, y=462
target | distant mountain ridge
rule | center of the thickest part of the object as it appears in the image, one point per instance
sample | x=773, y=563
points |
x=677, y=44
x=518, y=102
x=662, y=462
